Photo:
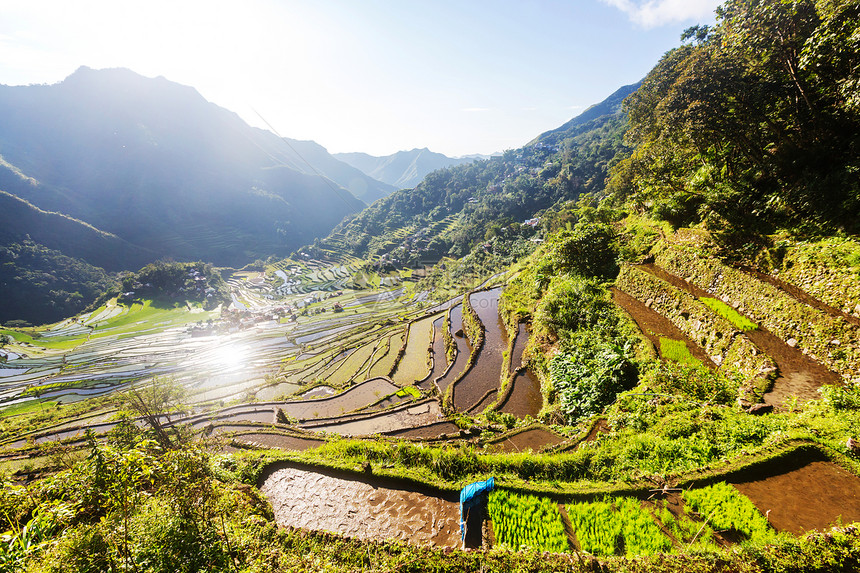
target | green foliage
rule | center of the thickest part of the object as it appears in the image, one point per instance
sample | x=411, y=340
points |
x=724, y=507
x=589, y=250
x=750, y=125
x=616, y=526
x=183, y=281
x=695, y=382
x=590, y=374
x=677, y=351
x=526, y=520
x=740, y=322
x=42, y=285
x=573, y=303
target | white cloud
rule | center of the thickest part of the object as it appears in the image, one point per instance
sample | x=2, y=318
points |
x=653, y=13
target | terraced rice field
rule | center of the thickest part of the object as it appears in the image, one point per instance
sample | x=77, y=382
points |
x=413, y=366
x=478, y=387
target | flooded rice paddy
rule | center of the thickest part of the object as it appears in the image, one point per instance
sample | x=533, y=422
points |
x=364, y=508
x=474, y=390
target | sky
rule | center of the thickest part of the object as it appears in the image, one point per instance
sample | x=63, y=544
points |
x=377, y=76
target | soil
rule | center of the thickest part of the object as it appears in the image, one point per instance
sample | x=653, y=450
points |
x=279, y=441
x=797, y=374
x=534, y=440
x=803, y=494
x=433, y=430
x=525, y=398
x=654, y=325
x=366, y=508
x=485, y=374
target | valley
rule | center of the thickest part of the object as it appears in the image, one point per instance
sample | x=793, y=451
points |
x=631, y=344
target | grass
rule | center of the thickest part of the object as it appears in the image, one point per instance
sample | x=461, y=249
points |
x=677, y=351
x=526, y=520
x=740, y=322
x=142, y=316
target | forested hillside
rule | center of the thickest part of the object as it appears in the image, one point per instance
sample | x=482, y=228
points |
x=454, y=210
x=752, y=125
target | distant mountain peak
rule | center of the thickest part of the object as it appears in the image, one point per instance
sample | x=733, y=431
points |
x=403, y=169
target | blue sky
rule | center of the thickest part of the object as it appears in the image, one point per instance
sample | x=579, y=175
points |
x=378, y=76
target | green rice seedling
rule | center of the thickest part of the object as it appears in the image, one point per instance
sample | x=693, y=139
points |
x=640, y=532
x=596, y=526
x=522, y=519
x=691, y=535
x=677, y=351
x=740, y=322
x=725, y=508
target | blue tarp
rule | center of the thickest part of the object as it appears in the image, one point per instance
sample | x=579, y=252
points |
x=472, y=495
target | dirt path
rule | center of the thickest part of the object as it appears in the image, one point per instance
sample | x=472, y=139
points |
x=366, y=508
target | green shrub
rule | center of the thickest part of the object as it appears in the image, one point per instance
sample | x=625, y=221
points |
x=591, y=373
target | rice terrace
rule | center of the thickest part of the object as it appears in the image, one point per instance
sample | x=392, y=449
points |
x=631, y=344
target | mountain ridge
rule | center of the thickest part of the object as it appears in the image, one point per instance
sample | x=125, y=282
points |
x=404, y=169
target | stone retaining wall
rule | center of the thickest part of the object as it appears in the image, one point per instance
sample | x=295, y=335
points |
x=727, y=346
x=829, y=339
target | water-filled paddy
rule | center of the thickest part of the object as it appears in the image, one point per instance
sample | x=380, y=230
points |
x=472, y=391
x=366, y=508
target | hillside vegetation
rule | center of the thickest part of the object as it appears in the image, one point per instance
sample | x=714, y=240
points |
x=687, y=320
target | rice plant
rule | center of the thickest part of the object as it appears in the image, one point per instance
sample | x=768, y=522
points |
x=522, y=519
x=641, y=534
x=677, y=351
x=740, y=322
x=691, y=535
x=616, y=525
x=597, y=527
x=725, y=508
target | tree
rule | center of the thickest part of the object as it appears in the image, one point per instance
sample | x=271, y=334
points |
x=755, y=122
x=154, y=403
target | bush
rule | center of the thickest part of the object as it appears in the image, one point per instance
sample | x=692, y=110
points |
x=589, y=375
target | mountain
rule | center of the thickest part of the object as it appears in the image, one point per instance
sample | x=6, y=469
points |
x=312, y=158
x=404, y=169
x=154, y=164
x=609, y=107
x=455, y=209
